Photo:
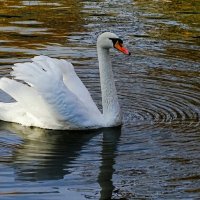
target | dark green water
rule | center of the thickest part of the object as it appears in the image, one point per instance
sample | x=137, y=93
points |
x=156, y=153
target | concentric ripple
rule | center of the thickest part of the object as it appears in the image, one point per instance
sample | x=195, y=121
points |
x=159, y=100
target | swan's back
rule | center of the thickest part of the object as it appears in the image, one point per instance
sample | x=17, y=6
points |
x=52, y=97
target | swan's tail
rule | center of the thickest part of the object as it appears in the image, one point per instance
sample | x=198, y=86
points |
x=24, y=95
x=11, y=112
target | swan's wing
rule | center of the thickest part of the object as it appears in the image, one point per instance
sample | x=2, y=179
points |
x=71, y=81
x=47, y=79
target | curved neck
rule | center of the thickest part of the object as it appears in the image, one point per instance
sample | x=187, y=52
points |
x=111, y=108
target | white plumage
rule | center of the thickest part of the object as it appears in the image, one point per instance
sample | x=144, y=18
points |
x=50, y=95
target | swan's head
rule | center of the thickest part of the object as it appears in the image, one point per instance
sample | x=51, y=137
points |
x=109, y=40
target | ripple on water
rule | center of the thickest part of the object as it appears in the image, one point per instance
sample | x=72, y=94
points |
x=159, y=100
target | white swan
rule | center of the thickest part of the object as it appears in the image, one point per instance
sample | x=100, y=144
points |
x=53, y=97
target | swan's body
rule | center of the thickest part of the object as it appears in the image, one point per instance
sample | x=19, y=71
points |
x=55, y=98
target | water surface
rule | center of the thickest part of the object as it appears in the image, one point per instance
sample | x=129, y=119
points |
x=156, y=152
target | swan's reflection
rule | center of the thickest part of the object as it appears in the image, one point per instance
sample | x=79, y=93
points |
x=110, y=140
x=47, y=155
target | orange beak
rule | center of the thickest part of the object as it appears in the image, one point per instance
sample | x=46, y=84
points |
x=121, y=48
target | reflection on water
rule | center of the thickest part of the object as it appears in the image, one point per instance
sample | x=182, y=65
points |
x=48, y=158
x=156, y=153
x=43, y=155
x=109, y=147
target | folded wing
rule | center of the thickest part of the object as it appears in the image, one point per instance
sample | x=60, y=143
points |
x=52, y=93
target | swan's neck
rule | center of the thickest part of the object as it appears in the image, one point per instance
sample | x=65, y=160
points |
x=111, y=108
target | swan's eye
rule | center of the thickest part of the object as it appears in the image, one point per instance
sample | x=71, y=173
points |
x=116, y=40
